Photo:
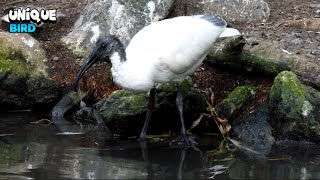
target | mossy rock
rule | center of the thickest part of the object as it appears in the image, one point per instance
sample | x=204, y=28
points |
x=124, y=111
x=294, y=109
x=264, y=58
x=24, y=82
x=237, y=99
x=26, y=92
x=122, y=103
x=22, y=55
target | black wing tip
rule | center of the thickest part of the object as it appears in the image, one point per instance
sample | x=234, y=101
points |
x=215, y=20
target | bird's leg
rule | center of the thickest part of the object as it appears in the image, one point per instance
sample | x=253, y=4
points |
x=184, y=138
x=179, y=103
x=143, y=134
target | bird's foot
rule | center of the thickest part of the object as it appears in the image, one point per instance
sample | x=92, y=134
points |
x=143, y=139
x=183, y=140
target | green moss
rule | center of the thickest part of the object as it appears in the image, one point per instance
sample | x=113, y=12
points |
x=289, y=95
x=185, y=86
x=235, y=100
x=167, y=87
x=260, y=64
x=77, y=96
x=120, y=94
x=138, y=101
x=12, y=60
x=124, y=103
x=293, y=106
x=265, y=57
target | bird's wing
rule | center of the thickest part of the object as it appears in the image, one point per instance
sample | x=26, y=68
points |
x=176, y=44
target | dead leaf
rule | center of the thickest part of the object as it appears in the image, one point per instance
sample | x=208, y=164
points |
x=196, y=122
x=222, y=123
x=42, y=122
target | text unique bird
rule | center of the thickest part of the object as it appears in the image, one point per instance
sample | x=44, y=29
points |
x=163, y=52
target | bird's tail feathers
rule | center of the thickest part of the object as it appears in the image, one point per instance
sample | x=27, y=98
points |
x=229, y=32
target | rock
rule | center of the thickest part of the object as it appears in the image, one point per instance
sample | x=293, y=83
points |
x=71, y=116
x=124, y=111
x=15, y=47
x=264, y=57
x=230, y=10
x=121, y=18
x=296, y=17
x=23, y=74
x=294, y=109
x=296, y=41
x=254, y=131
x=91, y=121
x=241, y=11
x=122, y=103
x=42, y=93
x=316, y=8
x=68, y=102
x=235, y=100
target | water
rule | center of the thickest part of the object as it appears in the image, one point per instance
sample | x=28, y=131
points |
x=33, y=151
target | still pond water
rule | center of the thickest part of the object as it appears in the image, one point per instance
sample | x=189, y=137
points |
x=33, y=151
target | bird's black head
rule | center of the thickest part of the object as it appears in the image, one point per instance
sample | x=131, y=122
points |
x=103, y=49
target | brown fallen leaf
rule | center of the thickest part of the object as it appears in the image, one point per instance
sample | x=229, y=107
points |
x=222, y=123
x=42, y=122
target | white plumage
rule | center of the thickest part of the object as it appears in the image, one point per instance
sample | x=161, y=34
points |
x=165, y=51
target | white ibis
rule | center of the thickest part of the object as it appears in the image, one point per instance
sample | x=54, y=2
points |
x=163, y=52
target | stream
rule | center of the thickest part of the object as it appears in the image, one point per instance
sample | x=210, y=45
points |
x=38, y=151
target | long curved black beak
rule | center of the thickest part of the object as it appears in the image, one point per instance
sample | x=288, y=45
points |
x=93, y=57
